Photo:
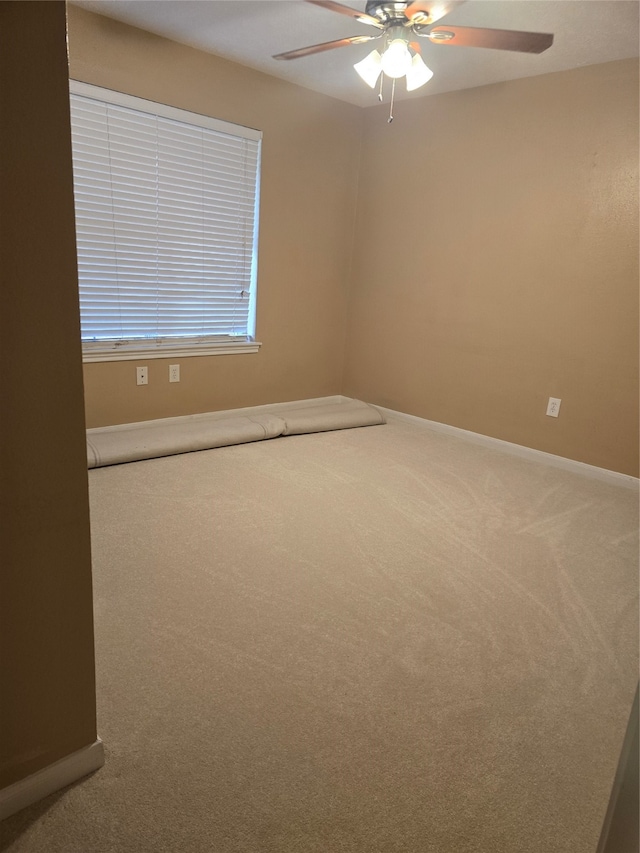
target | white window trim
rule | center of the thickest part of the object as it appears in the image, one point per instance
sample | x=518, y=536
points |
x=122, y=351
x=96, y=352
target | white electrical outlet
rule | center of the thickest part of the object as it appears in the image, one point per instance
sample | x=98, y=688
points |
x=142, y=376
x=553, y=407
x=174, y=373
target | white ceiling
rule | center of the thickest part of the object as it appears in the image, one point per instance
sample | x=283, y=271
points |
x=251, y=31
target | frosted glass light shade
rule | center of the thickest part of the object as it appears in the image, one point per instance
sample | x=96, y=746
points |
x=370, y=68
x=396, y=60
x=418, y=74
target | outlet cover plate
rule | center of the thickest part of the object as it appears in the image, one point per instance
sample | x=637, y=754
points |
x=553, y=407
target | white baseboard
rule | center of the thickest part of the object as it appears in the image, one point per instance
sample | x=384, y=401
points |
x=50, y=779
x=249, y=410
x=612, y=477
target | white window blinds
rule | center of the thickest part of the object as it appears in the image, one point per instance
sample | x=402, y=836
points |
x=166, y=220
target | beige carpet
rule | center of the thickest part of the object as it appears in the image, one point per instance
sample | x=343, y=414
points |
x=378, y=639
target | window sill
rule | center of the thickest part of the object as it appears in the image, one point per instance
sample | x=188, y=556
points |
x=142, y=352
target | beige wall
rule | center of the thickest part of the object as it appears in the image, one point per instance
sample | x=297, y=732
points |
x=310, y=157
x=47, y=687
x=496, y=262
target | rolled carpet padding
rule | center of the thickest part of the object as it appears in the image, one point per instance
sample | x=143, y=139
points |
x=110, y=446
x=149, y=442
x=351, y=413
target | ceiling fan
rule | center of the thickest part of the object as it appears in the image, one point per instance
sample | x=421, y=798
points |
x=399, y=23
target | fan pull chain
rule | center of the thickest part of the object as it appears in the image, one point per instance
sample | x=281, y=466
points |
x=380, y=91
x=393, y=92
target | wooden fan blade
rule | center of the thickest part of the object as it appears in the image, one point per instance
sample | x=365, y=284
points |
x=319, y=48
x=347, y=10
x=496, y=39
x=427, y=12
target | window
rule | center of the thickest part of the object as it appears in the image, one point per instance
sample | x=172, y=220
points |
x=167, y=222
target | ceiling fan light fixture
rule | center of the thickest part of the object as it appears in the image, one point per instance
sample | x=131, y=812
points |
x=396, y=60
x=370, y=68
x=418, y=74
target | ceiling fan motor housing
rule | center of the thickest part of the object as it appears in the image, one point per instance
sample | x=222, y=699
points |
x=387, y=12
